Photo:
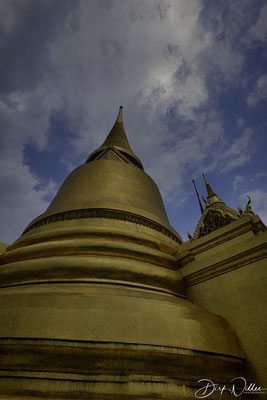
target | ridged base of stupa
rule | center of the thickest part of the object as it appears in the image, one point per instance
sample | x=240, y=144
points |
x=43, y=369
x=103, y=341
x=92, y=305
x=104, y=388
x=94, y=308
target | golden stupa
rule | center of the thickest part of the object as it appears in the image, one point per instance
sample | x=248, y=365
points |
x=92, y=302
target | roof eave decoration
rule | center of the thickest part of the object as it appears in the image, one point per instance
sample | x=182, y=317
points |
x=216, y=214
x=214, y=218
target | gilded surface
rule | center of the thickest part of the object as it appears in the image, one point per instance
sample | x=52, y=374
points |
x=116, y=145
x=225, y=272
x=93, y=305
x=216, y=215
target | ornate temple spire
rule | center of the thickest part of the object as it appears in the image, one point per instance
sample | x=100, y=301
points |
x=119, y=116
x=212, y=198
x=216, y=214
x=209, y=189
x=109, y=299
x=116, y=145
x=117, y=135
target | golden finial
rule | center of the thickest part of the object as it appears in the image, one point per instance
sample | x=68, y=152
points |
x=119, y=117
x=211, y=197
x=210, y=192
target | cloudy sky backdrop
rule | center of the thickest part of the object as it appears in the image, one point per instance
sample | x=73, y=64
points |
x=191, y=75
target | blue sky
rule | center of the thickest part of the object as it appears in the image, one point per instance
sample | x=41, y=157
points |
x=190, y=74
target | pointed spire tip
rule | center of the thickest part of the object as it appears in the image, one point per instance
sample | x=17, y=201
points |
x=205, y=180
x=211, y=196
x=209, y=189
x=119, y=117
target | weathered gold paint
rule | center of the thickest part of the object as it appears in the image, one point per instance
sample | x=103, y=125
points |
x=117, y=140
x=92, y=301
x=225, y=272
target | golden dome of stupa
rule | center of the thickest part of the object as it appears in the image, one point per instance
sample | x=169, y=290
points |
x=92, y=302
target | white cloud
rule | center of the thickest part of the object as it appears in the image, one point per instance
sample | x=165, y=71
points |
x=260, y=175
x=148, y=56
x=240, y=122
x=23, y=196
x=259, y=92
x=259, y=30
x=238, y=152
x=230, y=152
x=237, y=182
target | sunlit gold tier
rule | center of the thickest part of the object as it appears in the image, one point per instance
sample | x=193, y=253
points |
x=92, y=302
x=109, y=186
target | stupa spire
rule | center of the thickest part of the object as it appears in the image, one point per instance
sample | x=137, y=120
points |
x=102, y=266
x=117, y=135
x=117, y=142
x=210, y=192
x=211, y=196
x=119, y=117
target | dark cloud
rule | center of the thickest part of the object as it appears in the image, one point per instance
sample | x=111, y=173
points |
x=66, y=66
x=139, y=10
x=229, y=20
x=26, y=29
